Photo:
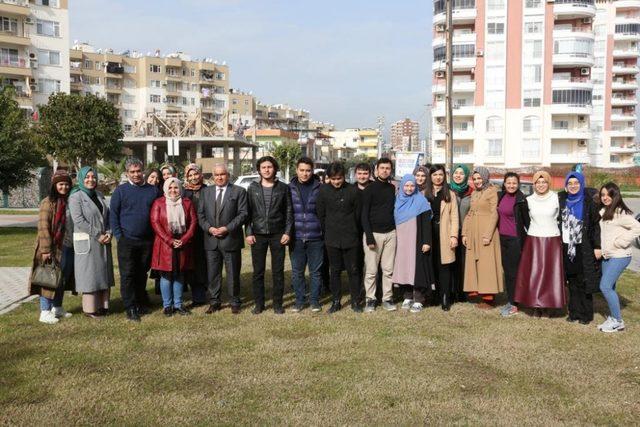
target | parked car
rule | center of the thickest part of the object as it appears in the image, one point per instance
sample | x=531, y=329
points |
x=525, y=187
x=245, y=180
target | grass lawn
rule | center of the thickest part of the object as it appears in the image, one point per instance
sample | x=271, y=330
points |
x=4, y=211
x=462, y=367
x=16, y=246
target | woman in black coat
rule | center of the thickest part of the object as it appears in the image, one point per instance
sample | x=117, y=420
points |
x=579, y=222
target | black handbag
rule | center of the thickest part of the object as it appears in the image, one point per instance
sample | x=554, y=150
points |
x=47, y=275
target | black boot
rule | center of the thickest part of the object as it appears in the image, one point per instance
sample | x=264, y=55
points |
x=336, y=306
x=132, y=315
x=446, y=304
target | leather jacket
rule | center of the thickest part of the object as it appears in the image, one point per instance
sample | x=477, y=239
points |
x=278, y=218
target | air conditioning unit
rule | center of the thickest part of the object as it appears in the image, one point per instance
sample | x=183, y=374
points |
x=33, y=63
x=439, y=144
x=585, y=71
x=440, y=74
x=33, y=87
x=29, y=20
x=480, y=52
x=439, y=97
x=582, y=119
x=586, y=20
x=33, y=56
x=582, y=143
x=440, y=28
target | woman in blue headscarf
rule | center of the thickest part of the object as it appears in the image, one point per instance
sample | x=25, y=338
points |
x=579, y=222
x=412, y=269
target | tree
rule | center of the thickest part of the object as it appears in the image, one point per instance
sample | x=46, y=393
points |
x=287, y=154
x=80, y=129
x=110, y=173
x=19, y=153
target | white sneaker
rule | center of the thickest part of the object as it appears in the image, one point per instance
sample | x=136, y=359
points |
x=60, y=313
x=416, y=307
x=614, y=326
x=406, y=304
x=605, y=323
x=48, y=317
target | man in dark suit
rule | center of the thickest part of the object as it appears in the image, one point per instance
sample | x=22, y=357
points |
x=222, y=211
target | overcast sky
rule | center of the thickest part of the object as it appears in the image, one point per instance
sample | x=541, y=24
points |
x=346, y=61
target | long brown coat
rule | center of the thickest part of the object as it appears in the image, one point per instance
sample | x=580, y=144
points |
x=449, y=226
x=44, y=244
x=483, y=267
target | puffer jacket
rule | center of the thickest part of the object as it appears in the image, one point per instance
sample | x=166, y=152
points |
x=278, y=219
x=306, y=222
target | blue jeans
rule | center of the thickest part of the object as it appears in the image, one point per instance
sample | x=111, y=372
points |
x=309, y=253
x=171, y=290
x=612, y=268
x=66, y=265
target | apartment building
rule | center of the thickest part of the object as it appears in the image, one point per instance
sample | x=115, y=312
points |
x=139, y=85
x=281, y=116
x=405, y=135
x=34, y=56
x=242, y=109
x=368, y=144
x=538, y=83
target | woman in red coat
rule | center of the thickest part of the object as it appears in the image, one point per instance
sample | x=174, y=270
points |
x=174, y=222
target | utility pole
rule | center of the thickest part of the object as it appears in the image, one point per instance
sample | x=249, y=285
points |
x=449, y=85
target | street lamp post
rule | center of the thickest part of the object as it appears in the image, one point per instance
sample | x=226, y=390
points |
x=449, y=85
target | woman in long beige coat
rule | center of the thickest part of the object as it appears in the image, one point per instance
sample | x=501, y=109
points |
x=483, y=273
x=444, y=206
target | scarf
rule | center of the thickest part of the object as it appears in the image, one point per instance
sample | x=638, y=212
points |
x=409, y=206
x=172, y=170
x=484, y=173
x=460, y=189
x=424, y=170
x=82, y=174
x=572, y=215
x=544, y=175
x=60, y=213
x=189, y=186
x=175, y=211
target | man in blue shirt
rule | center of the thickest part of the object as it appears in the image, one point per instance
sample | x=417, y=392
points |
x=129, y=217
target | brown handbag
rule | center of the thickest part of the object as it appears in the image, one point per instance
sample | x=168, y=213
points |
x=47, y=275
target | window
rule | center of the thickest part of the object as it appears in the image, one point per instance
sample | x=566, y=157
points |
x=561, y=124
x=494, y=98
x=495, y=51
x=234, y=102
x=495, y=4
x=219, y=103
x=531, y=124
x=532, y=74
x=533, y=49
x=154, y=68
x=128, y=99
x=9, y=25
x=219, y=76
x=246, y=102
x=531, y=98
x=494, y=124
x=531, y=148
x=495, y=28
x=529, y=4
x=48, y=57
x=130, y=69
x=155, y=99
x=50, y=3
x=575, y=97
x=494, y=147
x=155, y=83
x=48, y=28
x=127, y=128
x=171, y=71
x=576, y=47
x=48, y=85
x=129, y=114
x=9, y=57
x=193, y=72
x=439, y=5
x=193, y=102
x=458, y=51
x=627, y=28
x=561, y=147
x=194, y=87
x=129, y=83
x=533, y=27
x=98, y=65
x=88, y=64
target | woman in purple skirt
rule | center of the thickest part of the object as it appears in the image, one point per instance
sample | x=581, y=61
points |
x=540, y=279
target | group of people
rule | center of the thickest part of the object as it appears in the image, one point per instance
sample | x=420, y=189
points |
x=437, y=242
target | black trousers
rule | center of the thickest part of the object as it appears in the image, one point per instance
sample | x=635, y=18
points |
x=510, y=253
x=263, y=243
x=458, y=273
x=443, y=272
x=580, y=302
x=134, y=261
x=415, y=293
x=345, y=259
x=232, y=263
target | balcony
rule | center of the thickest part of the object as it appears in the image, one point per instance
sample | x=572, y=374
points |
x=572, y=83
x=571, y=109
x=627, y=4
x=462, y=38
x=575, y=132
x=460, y=15
x=15, y=67
x=13, y=38
x=573, y=33
x=626, y=53
x=624, y=85
x=625, y=69
x=460, y=132
x=570, y=158
x=623, y=117
x=458, y=111
x=567, y=9
x=466, y=156
x=624, y=148
x=15, y=7
x=461, y=87
x=630, y=34
x=459, y=64
x=623, y=101
x=622, y=132
x=576, y=59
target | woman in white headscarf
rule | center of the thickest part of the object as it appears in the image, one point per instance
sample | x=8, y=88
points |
x=174, y=222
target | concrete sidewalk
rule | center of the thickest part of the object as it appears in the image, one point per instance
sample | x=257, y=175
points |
x=18, y=220
x=13, y=287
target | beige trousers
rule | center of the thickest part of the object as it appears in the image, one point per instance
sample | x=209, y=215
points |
x=384, y=254
x=95, y=300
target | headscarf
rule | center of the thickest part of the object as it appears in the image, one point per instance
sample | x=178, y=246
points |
x=484, y=173
x=60, y=214
x=461, y=189
x=572, y=215
x=187, y=184
x=82, y=174
x=409, y=206
x=424, y=170
x=175, y=211
x=172, y=169
x=544, y=175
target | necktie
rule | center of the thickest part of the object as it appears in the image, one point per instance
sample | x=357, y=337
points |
x=218, y=206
